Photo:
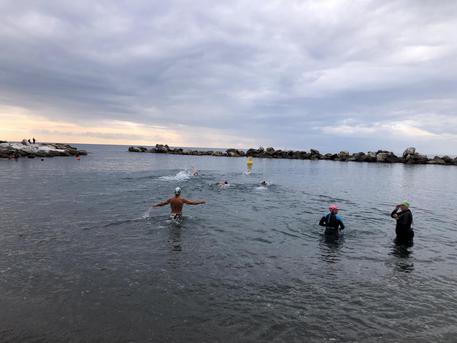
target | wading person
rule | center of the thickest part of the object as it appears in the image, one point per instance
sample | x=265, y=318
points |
x=402, y=214
x=177, y=202
x=333, y=222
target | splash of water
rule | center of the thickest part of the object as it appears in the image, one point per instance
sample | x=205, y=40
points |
x=180, y=176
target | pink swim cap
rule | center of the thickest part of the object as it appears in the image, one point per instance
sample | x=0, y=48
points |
x=333, y=207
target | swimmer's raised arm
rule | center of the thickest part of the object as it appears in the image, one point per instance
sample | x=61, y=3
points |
x=193, y=202
x=163, y=203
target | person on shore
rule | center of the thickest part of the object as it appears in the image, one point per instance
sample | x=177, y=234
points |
x=29, y=141
x=33, y=140
x=332, y=221
x=404, y=217
x=177, y=202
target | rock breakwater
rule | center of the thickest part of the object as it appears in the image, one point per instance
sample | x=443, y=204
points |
x=16, y=150
x=409, y=156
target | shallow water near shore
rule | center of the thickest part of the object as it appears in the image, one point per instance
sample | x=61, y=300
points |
x=85, y=259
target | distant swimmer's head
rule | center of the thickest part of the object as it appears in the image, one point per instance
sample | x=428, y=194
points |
x=177, y=190
x=333, y=209
x=264, y=183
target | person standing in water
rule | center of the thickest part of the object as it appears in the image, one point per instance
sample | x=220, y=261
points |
x=332, y=221
x=402, y=214
x=177, y=202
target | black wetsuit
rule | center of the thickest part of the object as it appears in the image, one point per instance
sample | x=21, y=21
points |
x=403, y=229
x=333, y=224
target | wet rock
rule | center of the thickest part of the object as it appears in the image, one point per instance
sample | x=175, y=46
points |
x=134, y=149
x=15, y=150
x=437, y=160
x=386, y=157
x=416, y=159
x=234, y=153
x=343, y=155
x=161, y=149
x=370, y=157
x=358, y=157
x=270, y=151
x=315, y=154
x=447, y=159
x=409, y=151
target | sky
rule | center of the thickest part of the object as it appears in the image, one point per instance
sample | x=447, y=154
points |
x=332, y=75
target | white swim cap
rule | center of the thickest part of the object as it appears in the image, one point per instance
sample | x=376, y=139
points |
x=177, y=190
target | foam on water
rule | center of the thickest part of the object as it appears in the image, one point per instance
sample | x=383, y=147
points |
x=182, y=175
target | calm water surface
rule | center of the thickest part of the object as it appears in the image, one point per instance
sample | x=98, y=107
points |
x=84, y=258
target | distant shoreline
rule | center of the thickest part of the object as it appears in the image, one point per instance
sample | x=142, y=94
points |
x=409, y=156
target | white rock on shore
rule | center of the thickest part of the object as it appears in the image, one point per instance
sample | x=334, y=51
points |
x=14, y=150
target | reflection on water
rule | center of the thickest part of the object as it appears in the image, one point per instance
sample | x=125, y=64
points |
x=174, y=237
x=330, y=247
x=403, y=251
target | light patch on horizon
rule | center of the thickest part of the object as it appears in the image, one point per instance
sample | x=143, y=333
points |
x=17, y=122
x=401, y=129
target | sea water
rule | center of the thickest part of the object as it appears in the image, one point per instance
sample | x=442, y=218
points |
x=85, y=258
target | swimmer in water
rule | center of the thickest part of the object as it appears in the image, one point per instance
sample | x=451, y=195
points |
x=177, y=202
x=223, y=184
x=402, y=214
x=194, y=172
x=264, y=183
x=332, y=221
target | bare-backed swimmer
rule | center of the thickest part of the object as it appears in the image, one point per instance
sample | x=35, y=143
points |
x=177, y=202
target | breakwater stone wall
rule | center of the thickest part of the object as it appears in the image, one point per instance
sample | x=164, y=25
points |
x=409, y=156
x=30, y=150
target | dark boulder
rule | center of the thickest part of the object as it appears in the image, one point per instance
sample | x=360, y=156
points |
x=386, y=157
x=409, y=151
x=161, y=149
x=270, y=151
x=343, y=156
x=416, y=159
x=234, y=153
x=251, y=152
x=358, y=157
x=447, y=159
x=437, y=160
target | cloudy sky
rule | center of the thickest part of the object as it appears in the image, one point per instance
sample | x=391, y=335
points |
x=334, y=75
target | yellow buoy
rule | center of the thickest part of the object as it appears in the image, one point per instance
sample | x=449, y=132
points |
x=249, y=163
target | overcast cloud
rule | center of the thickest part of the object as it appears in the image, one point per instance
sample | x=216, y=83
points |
x=352, y=75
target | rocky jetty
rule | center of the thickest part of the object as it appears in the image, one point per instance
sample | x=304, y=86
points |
x=24, y=149
x=409, y=156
